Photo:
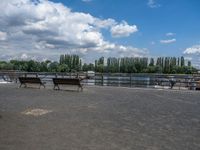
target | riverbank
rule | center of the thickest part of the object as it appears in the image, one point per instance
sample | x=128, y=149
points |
x=99, y=118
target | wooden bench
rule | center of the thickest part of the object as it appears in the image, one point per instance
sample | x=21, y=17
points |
x=198, y=85
x=30, y=80
x=67, y=81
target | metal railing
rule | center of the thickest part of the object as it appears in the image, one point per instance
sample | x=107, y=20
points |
x=175, y=81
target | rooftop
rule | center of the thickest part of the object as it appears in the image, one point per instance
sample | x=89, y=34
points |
x=99, y=118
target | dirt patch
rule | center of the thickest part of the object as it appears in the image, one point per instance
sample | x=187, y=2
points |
x=36, y=112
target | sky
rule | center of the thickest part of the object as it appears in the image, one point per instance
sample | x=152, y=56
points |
x=44, y=29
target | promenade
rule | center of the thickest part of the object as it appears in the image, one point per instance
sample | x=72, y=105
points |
x=99, y=118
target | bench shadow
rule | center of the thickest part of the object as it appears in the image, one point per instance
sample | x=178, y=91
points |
x=31, y=87
x=68, y=90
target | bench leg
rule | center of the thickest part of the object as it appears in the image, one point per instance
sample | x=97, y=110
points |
x=56, y=85
x=80, y=86
x=78, y=89
x=42, y=85
x=20, y=85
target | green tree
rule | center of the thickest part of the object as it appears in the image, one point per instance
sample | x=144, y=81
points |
x=151, y=62
x=53, y=67
x=62, y=68
x=182, y=61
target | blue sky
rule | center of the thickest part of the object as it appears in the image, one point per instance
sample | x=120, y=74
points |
x=180, y=17
x=149, y=28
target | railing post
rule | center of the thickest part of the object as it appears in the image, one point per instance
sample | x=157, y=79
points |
x=102, y=79
x=130, y=79
x=87, y=77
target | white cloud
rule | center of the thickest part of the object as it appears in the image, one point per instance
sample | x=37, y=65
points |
x=105, y=23
x=3, y=36
x=86, y=0
x=169, y=41
x=123, y=29
x=170, y=34
x=24, y=56
x=188, y=58
x=193, y=53
x=43, y=45
x=153, y=4
x=131, y=51
x=44, y=28
x=192, y=50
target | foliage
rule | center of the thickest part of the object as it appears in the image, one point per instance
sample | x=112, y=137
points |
x=69, y=63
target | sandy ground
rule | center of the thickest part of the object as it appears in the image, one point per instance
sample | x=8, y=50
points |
x=99, y=118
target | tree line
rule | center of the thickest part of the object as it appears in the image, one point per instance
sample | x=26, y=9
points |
x=167, y=65
x=73, y=63
x=67, y=63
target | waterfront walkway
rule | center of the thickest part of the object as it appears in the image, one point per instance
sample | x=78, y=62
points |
x=99, y=118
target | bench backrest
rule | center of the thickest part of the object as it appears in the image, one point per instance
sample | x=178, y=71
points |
x=70, y=81
x=198, y=84
x=29, y=80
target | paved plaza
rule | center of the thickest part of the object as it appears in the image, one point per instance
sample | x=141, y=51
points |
x=99, y=118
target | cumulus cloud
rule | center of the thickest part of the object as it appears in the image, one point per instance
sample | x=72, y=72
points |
x=107, y=23
x=44, y=28
x=131, y=51
x=169, y=41
x=153, y=4
x=192, y=50
x=193, y=53
x=123, y=29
